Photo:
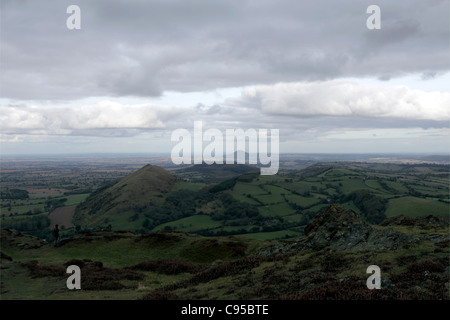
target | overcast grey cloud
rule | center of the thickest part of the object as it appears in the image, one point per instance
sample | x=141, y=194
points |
x=146, y=47
x=288, y=61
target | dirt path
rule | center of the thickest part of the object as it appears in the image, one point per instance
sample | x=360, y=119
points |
x=62, y=216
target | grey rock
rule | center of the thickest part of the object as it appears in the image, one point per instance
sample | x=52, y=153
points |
x=340, y=229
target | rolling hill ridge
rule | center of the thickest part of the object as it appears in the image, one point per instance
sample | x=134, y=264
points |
x=239, y=201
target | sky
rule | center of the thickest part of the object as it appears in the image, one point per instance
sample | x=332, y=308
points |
x=137, y=70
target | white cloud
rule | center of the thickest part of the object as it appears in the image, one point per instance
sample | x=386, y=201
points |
x=339, y=98
x=66, y=120
x=391, y=133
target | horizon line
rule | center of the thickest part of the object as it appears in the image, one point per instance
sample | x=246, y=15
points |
x=168, y=154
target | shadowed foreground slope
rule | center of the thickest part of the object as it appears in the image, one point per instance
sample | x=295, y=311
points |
x=330, y=262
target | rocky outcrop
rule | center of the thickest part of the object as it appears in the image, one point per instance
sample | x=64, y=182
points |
x=14, y=238
x=425, y=222
x=342, y=229
x=337, y=228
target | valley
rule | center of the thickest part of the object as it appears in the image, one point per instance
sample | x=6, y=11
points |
x=212, y=200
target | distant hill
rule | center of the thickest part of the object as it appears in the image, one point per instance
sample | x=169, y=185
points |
x=153, y=196
x=119, y=203
x=214, y=173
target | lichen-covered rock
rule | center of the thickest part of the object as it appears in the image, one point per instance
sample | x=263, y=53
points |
x=338, y=228
x=334, y=220
x=342, y=229
x=428, y=221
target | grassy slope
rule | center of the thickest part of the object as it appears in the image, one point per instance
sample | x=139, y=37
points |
x=126, y=248
x=285, y=276
x=114, y=250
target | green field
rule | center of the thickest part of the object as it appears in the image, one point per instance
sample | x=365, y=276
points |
x=270, y=198
x=318, y=207
x=397, y=187
x=280, y=209
x=302, y=201
x=22, y=209
x=190, y=224
x=248, y=188
x=350, y=184
x=75, y=199
x=430, y=189
x=414, y=207
x=38, y=205
x=293, y=218
x=374, y=184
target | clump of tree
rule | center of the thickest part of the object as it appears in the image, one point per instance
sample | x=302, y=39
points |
x=225, y=185
x=15, y=194
x=372, y=207
x=33, y=223
x=51, y=204
x=179, y=204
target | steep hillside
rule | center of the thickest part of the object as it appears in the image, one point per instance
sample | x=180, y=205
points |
x=214, y=173
x=122, y=204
